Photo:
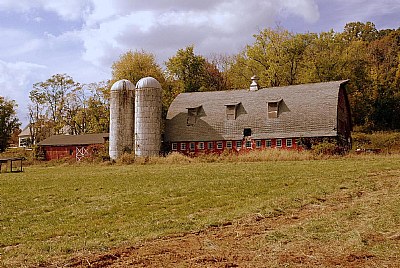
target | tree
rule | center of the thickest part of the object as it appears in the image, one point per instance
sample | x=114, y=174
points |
x=37, y=117
x=213, y=79
x=356, y=69
x=385, y=93
x=187, y=69
x=187, y=72
x=8, y=121
x=277, y=57
x=323, y=58
x=269, y=52
x=98, y=107
x=53, y=94
x=369, y=58
x=135, y=65
x=355, y=31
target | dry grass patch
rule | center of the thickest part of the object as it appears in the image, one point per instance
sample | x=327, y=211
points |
x=52, y=214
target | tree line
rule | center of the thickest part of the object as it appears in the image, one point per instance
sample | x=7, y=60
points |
x=368, y=57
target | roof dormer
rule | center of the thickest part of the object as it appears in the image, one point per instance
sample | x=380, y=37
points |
x=192, y=114
x=231, y=110
x=273, y=108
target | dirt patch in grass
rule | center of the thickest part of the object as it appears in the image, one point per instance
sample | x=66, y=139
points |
x=287, y=239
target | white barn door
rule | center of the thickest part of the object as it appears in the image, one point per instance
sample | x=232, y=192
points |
x=81, y=152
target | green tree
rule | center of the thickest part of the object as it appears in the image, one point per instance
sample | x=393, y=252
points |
x=323, y=58
x=37, y=117
x=8, y=121
x=356, y=31
x=241, y=69
x=369, y=58
x=356, y=69
x=277, y=57
x=187, y=69
x=135, y=65
x=98, y=107
x=384, y=62
x=53, y=94
x=188, y=72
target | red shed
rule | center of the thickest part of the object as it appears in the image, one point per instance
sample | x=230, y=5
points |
x=72, y=146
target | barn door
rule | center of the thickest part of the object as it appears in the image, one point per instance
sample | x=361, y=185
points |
x=81, y=152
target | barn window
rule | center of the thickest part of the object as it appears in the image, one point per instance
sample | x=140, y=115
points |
x=273, y=108
x=248, y=144
x=193, y=113
x=210, y=145
x=279, y=143
x=174, y=146
x=289, y=142
x=247, y=132
x=219, y=145
x=268, y=143
x=192, y=146
x=231, y=111
x=258, y=143
x=229, y=144
x=71, y=152
x=183, y=146
x=238, y=144
x=201, y=145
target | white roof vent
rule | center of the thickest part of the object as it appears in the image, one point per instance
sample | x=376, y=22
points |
x=254, y=84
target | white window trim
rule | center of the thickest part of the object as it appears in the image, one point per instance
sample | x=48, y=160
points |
x=280, y=140
x=249, y=144
x=289, y=141
x=174, y=146
x=229, y=144
x=183, y=146
x=210, y=145
x=258, y=143
x=192, y=146
x=201, y=145
x=268, y=143
x=220, y=145
x=239, y=144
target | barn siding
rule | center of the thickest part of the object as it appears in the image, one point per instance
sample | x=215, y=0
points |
x=63, y=152
x=59, y=152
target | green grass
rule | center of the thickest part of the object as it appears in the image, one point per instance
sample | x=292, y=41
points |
x=57, y=212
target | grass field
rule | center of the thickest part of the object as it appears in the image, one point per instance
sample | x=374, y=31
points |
x=54, y=213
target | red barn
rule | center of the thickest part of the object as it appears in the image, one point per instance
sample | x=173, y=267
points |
x=294, y=117
x=72, y=146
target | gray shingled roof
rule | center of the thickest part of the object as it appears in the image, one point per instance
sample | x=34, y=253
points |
x=308, y=110
x=63, y=140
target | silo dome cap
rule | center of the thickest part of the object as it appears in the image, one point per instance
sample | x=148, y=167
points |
x=122, y=85
x=148, y=82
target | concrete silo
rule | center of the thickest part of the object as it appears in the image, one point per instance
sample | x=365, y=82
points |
x=122, y=108
x=148, y=117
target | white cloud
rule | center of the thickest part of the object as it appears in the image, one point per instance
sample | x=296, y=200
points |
x=17, y=42
x=306, y=9
x=114, y=27
x=16, y=79
x=66, y=9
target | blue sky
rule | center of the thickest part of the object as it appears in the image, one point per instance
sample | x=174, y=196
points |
x=82, y=38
